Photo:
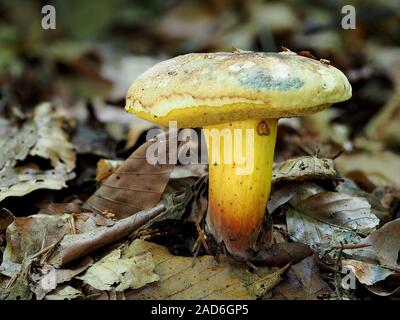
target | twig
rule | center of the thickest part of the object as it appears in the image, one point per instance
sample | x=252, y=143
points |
x=73, y=247
x=348, y=246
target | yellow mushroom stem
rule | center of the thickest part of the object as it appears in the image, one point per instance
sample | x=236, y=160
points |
x=240, y=169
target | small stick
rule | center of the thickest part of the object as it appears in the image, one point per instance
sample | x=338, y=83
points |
x=347, y=246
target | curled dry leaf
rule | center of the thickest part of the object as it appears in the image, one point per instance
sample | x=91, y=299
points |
x=121, y=271
x=335, y=208
x=42, y=136
x=199, y=279
x=76, y=246
x=136, y=184
x=384, y=245
x=316, y=233
x=27, y=236
x=366, y=273
x=303, y=168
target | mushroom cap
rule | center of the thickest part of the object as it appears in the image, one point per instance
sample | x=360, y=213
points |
x=201, y=89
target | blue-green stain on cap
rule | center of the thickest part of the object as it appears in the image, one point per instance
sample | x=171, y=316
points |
x=260, y=80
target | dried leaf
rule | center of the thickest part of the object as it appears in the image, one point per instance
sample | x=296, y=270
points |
x=76, y=246
x=366, y=273
x=203, y=278
x=384, y=245
x=136, y=185
x=335, y=208
x=316, y=233
x=50, y=277
x=303, y=282
x=42, y=136
x=64, y=293
x=281, y=254
x=121, y=272
x=27, y=236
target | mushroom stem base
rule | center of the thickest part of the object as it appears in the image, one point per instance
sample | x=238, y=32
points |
x=240, y=171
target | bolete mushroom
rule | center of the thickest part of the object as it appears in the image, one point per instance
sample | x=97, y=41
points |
x=239, y=90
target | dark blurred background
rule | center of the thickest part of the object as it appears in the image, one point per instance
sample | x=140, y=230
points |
x=85, y=66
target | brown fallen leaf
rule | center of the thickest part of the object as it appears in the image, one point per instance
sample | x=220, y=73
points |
x=28, y=236
x=335, y=208
x=384, y=245
x=42, y=136
x=199, y=279
x=49, y=278
x=281, y=254
x=303, y=282
x=64, y=293
x=75, y=246
x=136, y=184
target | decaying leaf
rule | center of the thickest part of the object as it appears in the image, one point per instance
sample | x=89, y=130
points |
x=335, y=208
x=366, y=273
x=42, y=136
x=121, y=271
x=316, y=233
x=384, y=245
x=303, y=168
x=202, y=278
x=303, y=282
x=134, y=186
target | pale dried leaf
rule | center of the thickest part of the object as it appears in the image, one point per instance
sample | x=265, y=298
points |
x=366, y=273
x=202, y=278
x=384, y=245
x=64, y=293
x=121, y=272
x=303, y=168
x=335, y=208
x=42, y=136
x=316, y=233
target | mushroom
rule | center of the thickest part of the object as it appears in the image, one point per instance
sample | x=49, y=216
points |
x=240, y=90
